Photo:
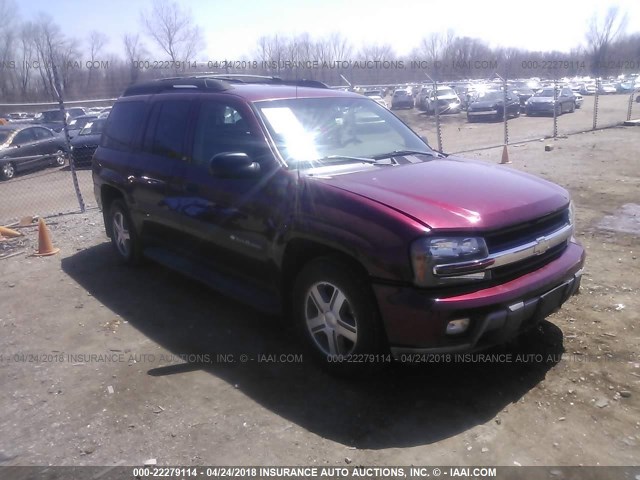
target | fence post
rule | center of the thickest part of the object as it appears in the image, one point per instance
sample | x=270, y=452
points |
x=437, y=112
x=631, y=104
x=595, y=104
x=555, y=108
x=65, y=128
x=505, y=116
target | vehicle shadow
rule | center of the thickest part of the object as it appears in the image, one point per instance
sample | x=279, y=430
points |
x=396, y=406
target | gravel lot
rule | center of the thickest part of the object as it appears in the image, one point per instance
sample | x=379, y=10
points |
x=137, y=398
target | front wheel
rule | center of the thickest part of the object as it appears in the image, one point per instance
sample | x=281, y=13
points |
x=336, y=314
x=123, y=235
x=7, y=171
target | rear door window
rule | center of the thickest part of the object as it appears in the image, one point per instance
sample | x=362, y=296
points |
x=166, y=133
x=122, y=128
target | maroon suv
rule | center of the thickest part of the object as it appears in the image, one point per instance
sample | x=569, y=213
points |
x=323, y=207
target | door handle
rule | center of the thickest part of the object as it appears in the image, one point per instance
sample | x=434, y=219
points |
x=145, y=180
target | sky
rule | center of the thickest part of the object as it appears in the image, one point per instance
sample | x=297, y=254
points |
x=231, y=28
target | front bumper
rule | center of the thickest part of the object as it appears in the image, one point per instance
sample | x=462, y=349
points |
x=415, y=319
x=479, y=114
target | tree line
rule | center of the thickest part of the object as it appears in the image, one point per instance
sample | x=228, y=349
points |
x=30, y=49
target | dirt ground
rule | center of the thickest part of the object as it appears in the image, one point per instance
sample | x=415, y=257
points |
x=136, y=398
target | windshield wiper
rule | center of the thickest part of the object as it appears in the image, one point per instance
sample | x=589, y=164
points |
x=346, y=157
x=398, y=153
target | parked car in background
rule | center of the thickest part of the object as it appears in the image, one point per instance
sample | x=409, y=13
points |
x=546, y=101
x=588, y=89
x=377, y=96
x=607, y=89
x=523, y=92
x=445, y=100
x=490, y=105
x=402, y=98
x=28, y=147
x=85, y=143
x=76, y=124
x=323, y=208
x=105, y=112
x=624, y=87
x=578, y=99
x=52, y=119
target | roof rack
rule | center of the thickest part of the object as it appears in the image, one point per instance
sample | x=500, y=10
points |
x=176, y=84
x=212, y=82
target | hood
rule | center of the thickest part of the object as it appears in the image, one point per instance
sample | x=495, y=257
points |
x=454, y=194
x=448, y=96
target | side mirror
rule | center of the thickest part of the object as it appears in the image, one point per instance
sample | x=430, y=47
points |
x=233, y=165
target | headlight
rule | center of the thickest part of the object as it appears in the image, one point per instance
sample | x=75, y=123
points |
x=449, y=260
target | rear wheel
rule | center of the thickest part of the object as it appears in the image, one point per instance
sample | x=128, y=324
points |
x=7, y=171
x=59, y=158
x=336, y=314
x=123, y=235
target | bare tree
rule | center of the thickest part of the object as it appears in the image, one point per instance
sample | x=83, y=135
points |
x=602, y=33
x=8, y=19
x=97, y=41
x=173, y=30
x=26, y=56
x=134, y=50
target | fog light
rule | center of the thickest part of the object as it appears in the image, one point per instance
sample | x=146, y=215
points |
x=456, y=327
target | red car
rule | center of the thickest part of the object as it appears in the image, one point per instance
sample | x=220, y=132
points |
x=323, y=207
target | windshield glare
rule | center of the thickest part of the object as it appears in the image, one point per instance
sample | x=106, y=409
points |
x=491, y=96
x=547, y=92
x=311, y=129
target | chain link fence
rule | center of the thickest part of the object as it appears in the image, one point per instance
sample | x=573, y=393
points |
x=454, y=133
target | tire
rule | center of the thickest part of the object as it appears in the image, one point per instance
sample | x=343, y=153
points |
x=336, y=314
x=59, y=158
x=573, y=107
x=7, y=171
x=124, y=238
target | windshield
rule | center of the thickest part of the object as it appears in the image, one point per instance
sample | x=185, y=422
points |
x=547, y=92
x=492, y=96
x=4, y=135
x=445, y=92
x=325, y=130
x=93, y=128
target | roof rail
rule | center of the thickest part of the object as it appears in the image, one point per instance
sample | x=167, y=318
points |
x=249, y=78
x=213, y=82
x=177, y=84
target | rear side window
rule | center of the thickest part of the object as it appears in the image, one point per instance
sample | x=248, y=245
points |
x=123, y=124
x=41, y=133
x=165, y=136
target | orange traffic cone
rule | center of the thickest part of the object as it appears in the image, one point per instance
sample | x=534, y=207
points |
x=9, y=233
x=505, y=156
x=45, y=247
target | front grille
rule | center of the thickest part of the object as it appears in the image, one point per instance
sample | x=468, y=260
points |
x=517, y=235
x=482, y=109
x=527, y=265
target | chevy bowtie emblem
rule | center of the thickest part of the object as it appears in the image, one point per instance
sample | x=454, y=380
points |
x=541, y=246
